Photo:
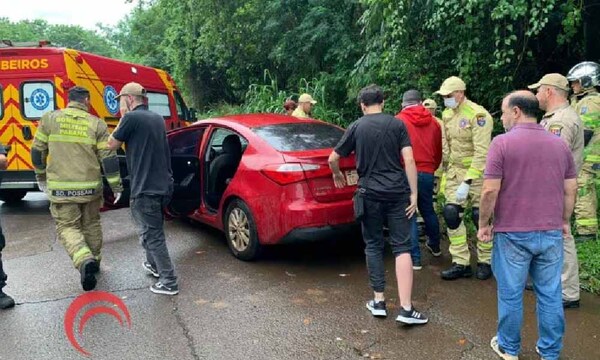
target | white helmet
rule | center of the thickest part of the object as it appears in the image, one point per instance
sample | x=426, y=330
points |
x=587, y=72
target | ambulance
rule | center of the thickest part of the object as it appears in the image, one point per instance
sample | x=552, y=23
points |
x=35, y=79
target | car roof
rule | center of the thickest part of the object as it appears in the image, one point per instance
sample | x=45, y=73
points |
x=257, y=120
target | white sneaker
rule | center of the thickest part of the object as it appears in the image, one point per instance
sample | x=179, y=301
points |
x=498, y=350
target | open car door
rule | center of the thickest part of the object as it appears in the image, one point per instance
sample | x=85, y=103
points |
x=185, y=162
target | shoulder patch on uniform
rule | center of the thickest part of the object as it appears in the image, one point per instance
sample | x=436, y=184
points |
x=463, y=123
x=481, y=120
x=555, y=129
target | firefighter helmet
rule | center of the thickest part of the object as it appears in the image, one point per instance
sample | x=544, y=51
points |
x=587, y=72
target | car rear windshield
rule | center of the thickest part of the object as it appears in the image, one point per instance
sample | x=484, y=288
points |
x=300, y=136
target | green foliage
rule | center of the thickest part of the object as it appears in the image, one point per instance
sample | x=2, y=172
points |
x=74, y=37
x=589, y=265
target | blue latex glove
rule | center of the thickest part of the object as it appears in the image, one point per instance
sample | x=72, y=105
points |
x=462, y=192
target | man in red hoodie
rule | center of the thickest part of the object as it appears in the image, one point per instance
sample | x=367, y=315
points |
x=426, y=139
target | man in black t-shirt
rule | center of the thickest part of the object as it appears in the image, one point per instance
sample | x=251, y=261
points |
x=390, y=192
x=149, y=165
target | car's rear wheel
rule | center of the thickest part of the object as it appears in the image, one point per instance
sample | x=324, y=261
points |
x=12, y=196
x=240, y=231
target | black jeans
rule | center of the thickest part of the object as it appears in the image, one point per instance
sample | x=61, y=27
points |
x=147, y=213
x=3, y=276
x=376, y=212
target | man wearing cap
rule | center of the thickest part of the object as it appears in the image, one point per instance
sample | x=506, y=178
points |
x=584, y=78
x=149, y=165
x=69, y=148
x=561, y=120
x=305, y=104
x=468, y=130
x=426, y=139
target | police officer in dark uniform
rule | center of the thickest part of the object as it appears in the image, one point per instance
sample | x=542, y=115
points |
x=5, y=300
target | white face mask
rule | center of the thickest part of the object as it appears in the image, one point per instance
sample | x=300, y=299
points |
x=450, y=103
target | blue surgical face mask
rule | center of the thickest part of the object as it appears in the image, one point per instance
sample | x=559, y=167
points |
x=450, y=103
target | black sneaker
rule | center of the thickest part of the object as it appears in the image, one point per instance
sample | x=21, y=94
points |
x=377, y=309
x=88, y=271
x=150, y=269
x=457, y=271
x=434, y=249
x=570, y=304
x=160, y=288
x=484, y=271
x=6, y=301
x=411, y=317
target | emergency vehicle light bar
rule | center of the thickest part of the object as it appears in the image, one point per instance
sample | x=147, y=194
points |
x=9, y=43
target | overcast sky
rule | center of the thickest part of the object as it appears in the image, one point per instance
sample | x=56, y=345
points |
x=70, y=12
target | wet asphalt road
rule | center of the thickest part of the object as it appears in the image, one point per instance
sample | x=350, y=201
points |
x=298, y=302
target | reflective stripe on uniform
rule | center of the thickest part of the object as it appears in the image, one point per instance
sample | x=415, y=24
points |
x=458, y=239
x=81, y=254
x=39, y=135
x=592, y=158
x=473, y=173
x=114, y=179
x=102, y=145
x=587, y=222
x=39, y=171
x=71, y=139
x=485, y=245
x=467, y=161
x=73, y=185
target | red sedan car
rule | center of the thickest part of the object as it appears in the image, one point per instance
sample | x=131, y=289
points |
x=262, y=179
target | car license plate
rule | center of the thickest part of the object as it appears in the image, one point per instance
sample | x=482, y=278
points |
x=351, y=177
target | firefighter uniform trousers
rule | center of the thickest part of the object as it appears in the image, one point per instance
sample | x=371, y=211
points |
x=459, y=247
x=79, y=230
x=587, y=106
x=586, y=221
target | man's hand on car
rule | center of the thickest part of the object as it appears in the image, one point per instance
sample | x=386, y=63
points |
x=339, y=180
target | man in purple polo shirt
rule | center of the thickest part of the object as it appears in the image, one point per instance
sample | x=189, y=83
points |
x=530, y=186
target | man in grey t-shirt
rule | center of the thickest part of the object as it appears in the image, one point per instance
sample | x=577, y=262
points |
x=149, y=165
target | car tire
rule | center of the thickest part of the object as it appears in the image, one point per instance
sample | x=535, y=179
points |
x=240, y=231
x=12, y=196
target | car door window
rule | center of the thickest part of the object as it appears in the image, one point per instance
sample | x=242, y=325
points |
x=216, y=142
x=186, y=142
x=37, y=99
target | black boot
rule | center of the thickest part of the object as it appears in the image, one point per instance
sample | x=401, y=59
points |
x=484, y=271
x=457, y=272
x=6, y=301
x=88, y=271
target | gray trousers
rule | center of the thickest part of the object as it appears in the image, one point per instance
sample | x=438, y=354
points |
x=147, y=213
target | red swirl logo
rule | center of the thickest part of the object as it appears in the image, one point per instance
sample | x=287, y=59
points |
x=90, y=298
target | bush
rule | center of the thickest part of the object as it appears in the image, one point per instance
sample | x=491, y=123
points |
x=589, y=265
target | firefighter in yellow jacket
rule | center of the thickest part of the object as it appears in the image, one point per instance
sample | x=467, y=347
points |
x=468, y=130
x=584, y=77
x=69, y=149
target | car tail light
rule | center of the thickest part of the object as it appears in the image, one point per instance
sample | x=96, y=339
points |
x=290, y=173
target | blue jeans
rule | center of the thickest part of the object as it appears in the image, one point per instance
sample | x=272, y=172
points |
x=425, y=206
x=539, y=253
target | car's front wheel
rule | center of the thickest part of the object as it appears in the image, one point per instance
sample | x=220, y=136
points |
x=240, y=231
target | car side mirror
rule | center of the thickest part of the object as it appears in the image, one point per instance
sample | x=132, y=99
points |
x=193, y=114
